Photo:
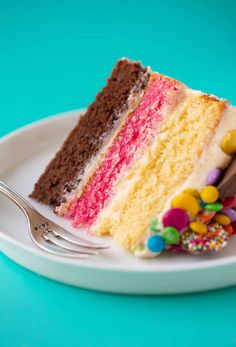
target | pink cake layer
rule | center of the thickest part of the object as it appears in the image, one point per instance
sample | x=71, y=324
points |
x=138, y=131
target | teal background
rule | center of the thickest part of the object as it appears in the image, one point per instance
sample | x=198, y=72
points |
x=54, y=57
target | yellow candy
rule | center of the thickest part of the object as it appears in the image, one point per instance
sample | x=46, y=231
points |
x=222, y=219
x=193, y=192
x=198, y=227
x=187, y=202
x=209, y=194
x=228, y=144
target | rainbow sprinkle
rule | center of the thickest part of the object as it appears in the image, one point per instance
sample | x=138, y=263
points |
x=215, y=239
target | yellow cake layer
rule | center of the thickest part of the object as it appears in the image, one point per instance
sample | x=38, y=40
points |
x=165, y=165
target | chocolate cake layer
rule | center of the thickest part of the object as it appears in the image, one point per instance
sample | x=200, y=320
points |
x=64, y=172
x=227, y=186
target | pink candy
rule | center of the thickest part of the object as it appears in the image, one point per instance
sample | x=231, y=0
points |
x=176, y=248
x=213, y=176
x=177, y=218
x=229, y=202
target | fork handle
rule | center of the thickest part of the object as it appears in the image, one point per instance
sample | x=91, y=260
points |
x=24, y=205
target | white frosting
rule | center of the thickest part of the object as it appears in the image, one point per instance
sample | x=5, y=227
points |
x=213, y=157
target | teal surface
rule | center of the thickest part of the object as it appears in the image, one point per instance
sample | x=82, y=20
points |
x=54, y=56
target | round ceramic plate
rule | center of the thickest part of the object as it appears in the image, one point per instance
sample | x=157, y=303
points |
x=23, y=156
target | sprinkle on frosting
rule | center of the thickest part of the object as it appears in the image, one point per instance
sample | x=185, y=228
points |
x=215, y=239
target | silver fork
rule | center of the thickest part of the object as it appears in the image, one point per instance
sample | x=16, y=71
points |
x=48, y=235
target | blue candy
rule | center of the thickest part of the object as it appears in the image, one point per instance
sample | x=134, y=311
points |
x=156, y=244
x=202, y=203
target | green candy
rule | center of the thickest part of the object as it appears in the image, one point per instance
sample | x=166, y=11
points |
x=170, y=235
x=154, y=225
x=140, y=247
x=213, y=207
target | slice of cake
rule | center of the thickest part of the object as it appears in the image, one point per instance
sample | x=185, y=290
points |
x=143, y=164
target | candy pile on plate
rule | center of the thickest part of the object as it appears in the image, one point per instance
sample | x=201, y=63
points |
x=197, y=222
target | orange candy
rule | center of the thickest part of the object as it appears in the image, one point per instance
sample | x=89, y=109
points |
x=205, y=217
x=229, y=229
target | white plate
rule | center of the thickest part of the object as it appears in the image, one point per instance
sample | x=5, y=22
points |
x=23, y=156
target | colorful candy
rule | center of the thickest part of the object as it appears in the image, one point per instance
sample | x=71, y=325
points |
x=215, y=239
x=156, y=244
x=193, y=242
x=187, y=202
x=170, y=235
x=213, y=176
x=230, y=213
x=205, y=216
x=229, y=229
x=229, y=202
x=217, y=206
x=198, y=227
x=177, y=218
x=140, y=247
x=176, y=248
x=197, y=222
x=202, y=203
x=209, y=194
x=194, y=192
x=222, y=219
x=154, y=225
x=228, y=144
x=218, y=237
x=233, y=225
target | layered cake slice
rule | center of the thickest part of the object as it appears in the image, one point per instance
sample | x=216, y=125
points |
x=143, y=164
x=86, y=144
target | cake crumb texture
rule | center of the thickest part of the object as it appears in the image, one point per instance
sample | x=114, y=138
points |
x=65, y=171
x=162, y=169
x=137, y=132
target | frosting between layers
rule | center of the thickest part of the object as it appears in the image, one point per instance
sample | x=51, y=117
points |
x=213, y=157
x=132, y=102
x=140, y=127
x=62, y=175
x=127, y=219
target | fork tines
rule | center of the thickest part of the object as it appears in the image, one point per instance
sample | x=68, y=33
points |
x=61, y=242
